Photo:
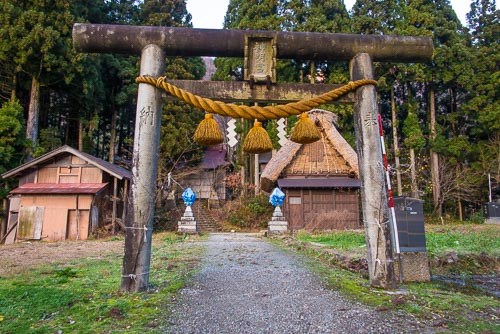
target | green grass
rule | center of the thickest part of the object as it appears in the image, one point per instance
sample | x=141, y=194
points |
x=443, y=239
x=440, y=239
x=84, y=296
x=340, y=240
x=459, y=310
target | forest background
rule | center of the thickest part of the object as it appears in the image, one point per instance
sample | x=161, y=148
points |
x=441, y=119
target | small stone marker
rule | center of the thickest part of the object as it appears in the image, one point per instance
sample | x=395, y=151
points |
x=187, y=224
x=278, y=223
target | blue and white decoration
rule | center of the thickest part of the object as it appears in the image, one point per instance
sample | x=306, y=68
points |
x=277, y=197
x=188, y=196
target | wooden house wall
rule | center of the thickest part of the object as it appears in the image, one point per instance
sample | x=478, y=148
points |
x=322, y=209
x=203, y=183
x=28, y=177
x=67, y=169
x=66, y=216
x=61, y=215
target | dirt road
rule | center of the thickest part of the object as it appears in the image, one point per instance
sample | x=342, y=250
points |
x=248, y=286
x=21, y=257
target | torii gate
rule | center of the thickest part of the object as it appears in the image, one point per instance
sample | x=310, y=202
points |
x=155, y=43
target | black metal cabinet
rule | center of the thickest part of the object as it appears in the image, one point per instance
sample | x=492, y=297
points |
x=410, y=222
x=492, y=210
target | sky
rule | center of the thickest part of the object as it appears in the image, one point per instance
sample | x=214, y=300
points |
x=210, y=13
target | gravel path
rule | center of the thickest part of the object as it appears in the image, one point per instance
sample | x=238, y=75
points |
x=246, y=285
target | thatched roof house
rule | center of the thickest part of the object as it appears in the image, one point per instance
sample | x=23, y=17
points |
x=320, y=180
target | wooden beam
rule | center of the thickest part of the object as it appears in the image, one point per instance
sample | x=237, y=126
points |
x=239, y=91
x=182, y=42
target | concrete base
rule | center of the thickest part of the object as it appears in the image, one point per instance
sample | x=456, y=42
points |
x=415, y=267
x=187, y=224
x=495, y=220
x=278, y=224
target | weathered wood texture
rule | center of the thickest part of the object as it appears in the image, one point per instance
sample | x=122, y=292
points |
x=136, y=262
x=373, y=190
x=240, y=91
x=230, y=43
x=322, y=209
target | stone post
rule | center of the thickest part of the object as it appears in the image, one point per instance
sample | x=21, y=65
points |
x=187, y=224
x=278, y=223
x=371, y=168
x=139, y=222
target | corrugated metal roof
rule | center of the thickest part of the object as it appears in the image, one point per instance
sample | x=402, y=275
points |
x=108, y=167
x=333, y=182
x=59, y=188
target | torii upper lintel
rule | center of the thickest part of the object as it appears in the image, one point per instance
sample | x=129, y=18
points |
x=176, y=41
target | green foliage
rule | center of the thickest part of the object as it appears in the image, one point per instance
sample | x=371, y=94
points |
x=165, y=13
x=11, y=135
x=250, y=213
x=272, y=130
x=375, y=17
x=83, y=297
x=65, y=274
x=413, y=134
x=50, y=139
x=446, y=239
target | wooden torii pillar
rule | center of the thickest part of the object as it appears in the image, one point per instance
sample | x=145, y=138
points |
x=155, y=43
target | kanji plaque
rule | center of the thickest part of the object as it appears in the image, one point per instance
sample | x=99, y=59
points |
x=260, y=58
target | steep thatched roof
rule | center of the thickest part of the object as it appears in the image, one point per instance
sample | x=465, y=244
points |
x=330, y=156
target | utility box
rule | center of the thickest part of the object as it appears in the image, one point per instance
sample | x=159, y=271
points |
x=412, y=263
x=410, y=222
x=492, y=210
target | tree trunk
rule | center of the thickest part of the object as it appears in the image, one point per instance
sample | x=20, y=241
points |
x=312, y=73
x=3, y=219
x=414, y=185
x=33, y=115
x=80, y=135
x=372, y=174
x=459, y=197
x=112, y=137
x=13, y=89
x=395, y=142
x=436, y=185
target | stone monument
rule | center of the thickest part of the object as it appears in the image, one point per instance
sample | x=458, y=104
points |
x=278, y=223
x=187, y=224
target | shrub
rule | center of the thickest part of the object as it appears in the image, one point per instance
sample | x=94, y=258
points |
x=248, y=213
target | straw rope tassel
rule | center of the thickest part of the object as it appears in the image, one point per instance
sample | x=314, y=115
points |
x=305, y=130
x=257, y=140
x=208, y=132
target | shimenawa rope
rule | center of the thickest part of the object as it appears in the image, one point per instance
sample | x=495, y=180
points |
x=253, y=112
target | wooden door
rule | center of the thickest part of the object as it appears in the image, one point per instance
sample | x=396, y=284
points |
x=295, y=210
x=30, y=223
x=78, y=225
